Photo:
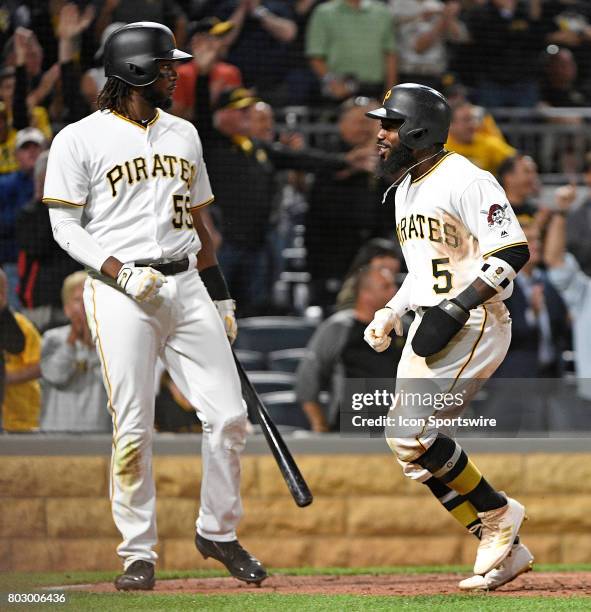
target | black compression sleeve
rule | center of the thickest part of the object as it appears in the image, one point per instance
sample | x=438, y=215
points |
x=215, y=283
x=516, y=256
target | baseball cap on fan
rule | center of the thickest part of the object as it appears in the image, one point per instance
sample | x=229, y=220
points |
x=235, y=98
x=210, y=25
x=27, y=135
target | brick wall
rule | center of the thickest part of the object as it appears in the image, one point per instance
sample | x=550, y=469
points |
x=55, y=514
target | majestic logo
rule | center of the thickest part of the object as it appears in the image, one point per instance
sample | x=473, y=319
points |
x=497, y=216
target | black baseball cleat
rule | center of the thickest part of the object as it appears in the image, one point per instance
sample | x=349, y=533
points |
x=139, y=576
x=239, y=562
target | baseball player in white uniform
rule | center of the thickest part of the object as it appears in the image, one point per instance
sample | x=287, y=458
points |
x=127, y=187
x=463, y=247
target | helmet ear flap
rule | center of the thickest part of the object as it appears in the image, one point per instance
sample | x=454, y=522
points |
x=415, y=138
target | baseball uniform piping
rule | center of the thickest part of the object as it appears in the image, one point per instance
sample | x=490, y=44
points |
x=109, y=389
x=436, y=165
x=137, y=123
x=473, y=349
x=506, y=246
x=58, y=201
x=198, y=206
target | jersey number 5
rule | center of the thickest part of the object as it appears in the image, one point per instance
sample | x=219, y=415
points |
x=181, y=215
x=443, y=276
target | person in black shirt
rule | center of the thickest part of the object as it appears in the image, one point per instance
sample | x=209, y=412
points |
x=337, y=351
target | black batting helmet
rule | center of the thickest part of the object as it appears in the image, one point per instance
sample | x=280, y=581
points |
x=424, y=112
x=131, y=52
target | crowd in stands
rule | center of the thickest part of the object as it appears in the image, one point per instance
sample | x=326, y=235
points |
x=295, y=212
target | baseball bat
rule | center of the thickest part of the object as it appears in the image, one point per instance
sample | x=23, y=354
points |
x=288, y=467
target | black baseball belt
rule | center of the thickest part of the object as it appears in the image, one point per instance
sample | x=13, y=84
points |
x=170, y=268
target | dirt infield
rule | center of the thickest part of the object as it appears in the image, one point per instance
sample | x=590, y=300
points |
x=532, y=584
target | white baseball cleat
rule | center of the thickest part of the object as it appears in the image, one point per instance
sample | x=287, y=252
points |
x=518, y=561
x=499, y=528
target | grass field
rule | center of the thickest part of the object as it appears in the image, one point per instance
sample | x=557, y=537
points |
x=13, y=582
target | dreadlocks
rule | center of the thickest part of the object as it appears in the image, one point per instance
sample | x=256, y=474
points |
x=115, y=95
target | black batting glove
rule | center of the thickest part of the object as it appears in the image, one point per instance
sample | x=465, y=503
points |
x=438, y=326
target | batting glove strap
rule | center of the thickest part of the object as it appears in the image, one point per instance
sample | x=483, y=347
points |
x=226, y=309
x=437, y=327
x=142, y=283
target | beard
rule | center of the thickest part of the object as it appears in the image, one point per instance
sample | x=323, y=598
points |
x=156, y=98
x=400, y=158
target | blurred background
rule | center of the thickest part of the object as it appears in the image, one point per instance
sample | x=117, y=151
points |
x=278, y=90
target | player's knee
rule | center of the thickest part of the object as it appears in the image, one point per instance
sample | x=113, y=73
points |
x=233, y=432
x=405, y=449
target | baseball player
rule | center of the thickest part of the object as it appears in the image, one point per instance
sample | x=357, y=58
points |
x=127, y=187
x=463, y=247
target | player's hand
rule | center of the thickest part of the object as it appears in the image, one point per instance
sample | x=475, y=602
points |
x=226, y=310
x=142, y=283
x=377, y=333
x=438, y=326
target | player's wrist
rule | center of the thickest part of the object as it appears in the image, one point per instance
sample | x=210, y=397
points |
x=215, y=283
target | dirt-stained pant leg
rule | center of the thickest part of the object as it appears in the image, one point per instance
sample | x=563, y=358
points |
x=459, y=370
x=127, y=337
x=199, y=359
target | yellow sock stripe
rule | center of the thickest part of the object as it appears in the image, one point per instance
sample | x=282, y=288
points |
x=465, y=513
x=467, y=480
x=109, y=388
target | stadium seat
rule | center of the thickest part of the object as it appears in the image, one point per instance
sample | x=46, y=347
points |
x=268, y=382
x=286, y=360
x=252, y=360
x=267, y=334
x=285, y=410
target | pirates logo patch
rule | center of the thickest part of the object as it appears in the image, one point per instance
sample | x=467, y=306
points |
x=497, y=216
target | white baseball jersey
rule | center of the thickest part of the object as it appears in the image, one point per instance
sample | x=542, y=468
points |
x=114, y=168
x=448, y=221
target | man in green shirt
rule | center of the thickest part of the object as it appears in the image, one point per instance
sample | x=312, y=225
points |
x=351, y=47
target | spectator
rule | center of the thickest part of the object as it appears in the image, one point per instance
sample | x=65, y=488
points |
x=540, y=329
x=74, y=397
x=574, y=286
x=485, y=150
x=508, y=38
x=423, y=27
x=302, y=84
x=369, y=65
x=207, y=44
x=259, y=43
x=72, y=23
x=518, y=175
x=345, y=208
x=167, y=12
x=12, y=339
x=244, y=203
x=22, y=395
x=375, y=253
x=32, y=84
x=337, y=350
x=560, y=75
x=16, y=189
x=457, y=94
x=579, y=222
x=568, y=24
x=42, y=263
